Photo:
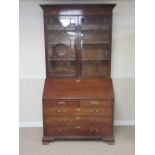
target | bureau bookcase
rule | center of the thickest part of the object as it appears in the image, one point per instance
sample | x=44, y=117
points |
x=78, y=97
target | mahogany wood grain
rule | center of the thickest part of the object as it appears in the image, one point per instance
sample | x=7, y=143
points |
x=88, y=120
x=50, y=111
x=84, y=88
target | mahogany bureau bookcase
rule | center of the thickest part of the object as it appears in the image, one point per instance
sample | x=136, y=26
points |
x=78, y=97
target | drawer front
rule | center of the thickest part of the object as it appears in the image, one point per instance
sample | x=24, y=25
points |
x=53, y=111
x=60, y=103
x=79, y=131
x=95, y=103
x=78, y=120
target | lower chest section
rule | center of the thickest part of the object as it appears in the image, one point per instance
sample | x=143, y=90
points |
x=78, y=118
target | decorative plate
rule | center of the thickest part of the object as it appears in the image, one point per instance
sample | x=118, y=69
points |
x=60, y=51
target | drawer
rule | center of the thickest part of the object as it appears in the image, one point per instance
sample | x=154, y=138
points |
x=95, y=103
x=52, y=111
x=78, y=120
x=79, y=131
x=60, y=103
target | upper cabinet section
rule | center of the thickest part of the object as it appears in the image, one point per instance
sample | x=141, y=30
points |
x=78, y=40
x=95, y=43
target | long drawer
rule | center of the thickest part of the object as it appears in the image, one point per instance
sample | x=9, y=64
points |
x=50, y=111
x=78, y=103
x=78, y=131
x=78, y=120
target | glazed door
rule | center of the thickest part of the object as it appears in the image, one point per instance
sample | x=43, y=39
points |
x=61, y=43
x=95, y=43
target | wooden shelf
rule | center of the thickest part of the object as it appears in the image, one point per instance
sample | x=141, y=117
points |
x=93, y=43
x=106, y=29
x=85, y=59
x=94, y=59
x=62, y=75
x=50, y=42
x=60, y=29
x=61, y=59
x=84, y=43
x=53, y=29
x=94, y=75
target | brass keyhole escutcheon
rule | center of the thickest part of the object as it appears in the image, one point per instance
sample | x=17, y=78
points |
x=77, y=118
x=78, y=80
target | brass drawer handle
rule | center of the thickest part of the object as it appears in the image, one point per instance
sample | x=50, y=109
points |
x=78, y=127
x=93, y=120
x=63, y=110
x=93, y=130
x=61, y=130
x=62, y=120
x=78, y=109
x=95, y=110
x=94, y=103
x=61, y=103
x=77, y=118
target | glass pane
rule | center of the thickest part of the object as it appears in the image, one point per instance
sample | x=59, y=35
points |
x=94, y=22
x=94, y=68
x=61, y=37
x=61, y=23
x=95, y=43
x=94, y=52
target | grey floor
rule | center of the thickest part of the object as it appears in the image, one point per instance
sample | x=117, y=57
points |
x=30, y=144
